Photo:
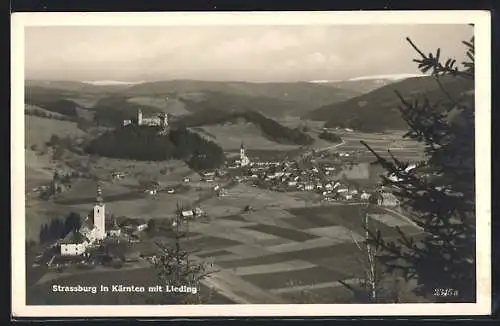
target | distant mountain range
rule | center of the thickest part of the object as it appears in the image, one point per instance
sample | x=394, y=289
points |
x=307, y=94
x=269, y=98
x=112, y=82
x=367, y=102
x=366, y=84
x=73, y=87
x=378, y=110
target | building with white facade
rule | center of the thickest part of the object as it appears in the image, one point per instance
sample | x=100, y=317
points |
x=93, y=229
x=74, y=244
x=160, y=120
x=244, y=160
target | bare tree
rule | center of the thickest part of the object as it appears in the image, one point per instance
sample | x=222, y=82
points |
x=176, y=266
x=368, y=287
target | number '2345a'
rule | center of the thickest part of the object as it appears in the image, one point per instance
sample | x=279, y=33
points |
x=445, y=292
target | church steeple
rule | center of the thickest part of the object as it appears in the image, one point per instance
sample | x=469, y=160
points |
x=99, y=215
x=139, y=117
x=243, y=156
x=99, y=195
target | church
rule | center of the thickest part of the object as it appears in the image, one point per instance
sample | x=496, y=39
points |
x=93, y=229
x=244, y=160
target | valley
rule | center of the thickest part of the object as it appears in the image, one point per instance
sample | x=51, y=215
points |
x=268, y=240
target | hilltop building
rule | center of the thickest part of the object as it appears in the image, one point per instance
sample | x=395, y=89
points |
x=93, y=229
x=160, y=120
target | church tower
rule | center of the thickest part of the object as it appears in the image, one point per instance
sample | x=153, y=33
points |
x=242, y=151
x=99, y=215
x=164, y=121
x=139, y=117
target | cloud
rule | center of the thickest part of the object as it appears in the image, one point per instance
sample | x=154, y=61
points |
x=253, y=53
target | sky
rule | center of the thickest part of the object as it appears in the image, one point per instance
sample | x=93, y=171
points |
x=236, y=53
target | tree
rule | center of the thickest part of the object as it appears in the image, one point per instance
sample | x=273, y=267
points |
x=58, y=153
x=72, y=222
x=440, y=193
x=43, y=235
x=151, y=225
x=368, y=288
x=175, y=265
x=54, y=140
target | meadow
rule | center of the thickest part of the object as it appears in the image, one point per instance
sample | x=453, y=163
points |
x=230, y=136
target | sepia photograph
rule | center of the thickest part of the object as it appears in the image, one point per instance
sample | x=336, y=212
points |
x=217, y=163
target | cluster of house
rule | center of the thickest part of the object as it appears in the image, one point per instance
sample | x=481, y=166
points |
x=118, y=175
x=94, y=228
x=326, y=179
x=307, y=180
x=192, y=213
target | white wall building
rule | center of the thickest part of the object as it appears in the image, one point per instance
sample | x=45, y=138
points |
x=74, y=244
x=244, y=160
x=365, y=196
x=93, y=229
x=161, y=120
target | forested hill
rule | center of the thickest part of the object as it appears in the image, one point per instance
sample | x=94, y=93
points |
x=268, y=106
x=146, y=144
x=378, y=110
x=301, y=92
x=270, y=128
x=112, y=110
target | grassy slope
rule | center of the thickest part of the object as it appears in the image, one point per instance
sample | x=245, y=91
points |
x=39, y=130
x=270, y=128
x=35, y=108
x=230, y=136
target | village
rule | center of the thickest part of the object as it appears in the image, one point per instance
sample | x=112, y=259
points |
x=115, y=241
x=112, y=238
x=272, y=175
x=331, y=176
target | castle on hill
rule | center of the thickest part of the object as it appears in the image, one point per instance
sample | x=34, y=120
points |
x=159, y=120
x=156, y=120
x=93, y=229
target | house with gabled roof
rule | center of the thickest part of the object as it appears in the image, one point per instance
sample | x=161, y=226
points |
x=74, y=244
x=93, y=228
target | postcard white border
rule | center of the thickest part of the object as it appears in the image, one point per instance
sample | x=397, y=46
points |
x=481, y=21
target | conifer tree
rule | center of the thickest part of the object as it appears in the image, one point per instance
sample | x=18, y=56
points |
x=439, y=194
